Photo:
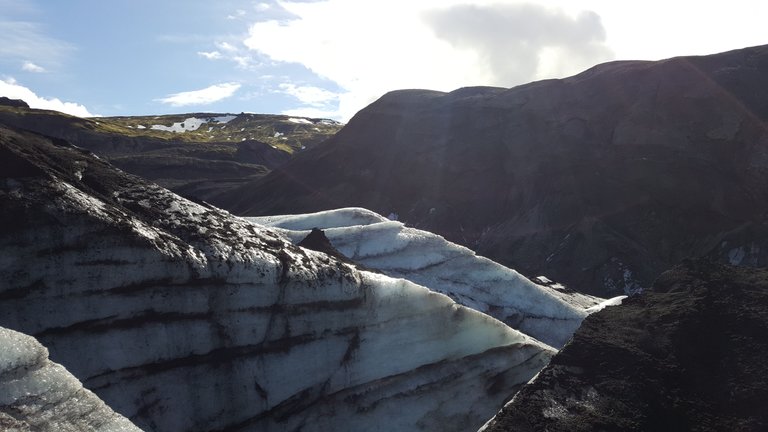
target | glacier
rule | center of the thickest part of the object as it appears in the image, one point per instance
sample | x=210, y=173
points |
x=37, y=394
x=182, y=317
x=545, y=312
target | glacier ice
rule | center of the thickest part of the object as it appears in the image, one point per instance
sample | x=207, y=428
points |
x=37, y=394
x=545, y=313
x=182, y=317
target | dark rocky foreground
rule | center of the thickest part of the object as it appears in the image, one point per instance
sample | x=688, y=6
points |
x=600, y=181
x=687, y=355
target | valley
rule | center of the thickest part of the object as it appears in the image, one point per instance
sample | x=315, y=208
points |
x=200, y=155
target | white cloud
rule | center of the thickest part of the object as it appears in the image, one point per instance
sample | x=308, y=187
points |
x=226, y=46
x=317, y=102
x=31, y=67
x=11, y=89
x=312, y=113
x=371, y=47
x=227, y=51
x=657, y=29
x=237, y=15
x=309, y=95
x=244, y=61
x=210, y=55
x=517, y=43
x=204, y=96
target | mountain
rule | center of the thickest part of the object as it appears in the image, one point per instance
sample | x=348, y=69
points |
x=196, y=154
x=600, y=181
x=39, y=395
x=182, y=317
x=687, y=355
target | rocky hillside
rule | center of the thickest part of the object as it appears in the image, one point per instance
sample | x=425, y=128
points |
x=687, y=355
x=183, y=317
x=599, y=181
x=197, y=154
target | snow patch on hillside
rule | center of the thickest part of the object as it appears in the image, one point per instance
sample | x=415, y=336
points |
x=193, y=124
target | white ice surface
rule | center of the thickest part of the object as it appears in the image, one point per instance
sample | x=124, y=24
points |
x=40, y=395
x=615, y=301
x=346, y=217
x=184, y=317
x=367, y=238
x=736, y=255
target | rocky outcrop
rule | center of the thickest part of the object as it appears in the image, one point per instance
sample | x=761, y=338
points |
x=39, y=395
x=317, y=241
x=599, y=181
x=182, y=317
x=13, y=103
x=688, y=355
x=548, y=313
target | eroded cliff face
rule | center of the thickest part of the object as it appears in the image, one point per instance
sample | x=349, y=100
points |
x=39, y=395
x=687, y=355
x=184, y=318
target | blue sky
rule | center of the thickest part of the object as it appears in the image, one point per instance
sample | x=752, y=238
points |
x=330, y=58
x=122, y=57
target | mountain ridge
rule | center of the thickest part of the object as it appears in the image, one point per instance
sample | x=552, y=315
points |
x=196, y=154
x=599, y=181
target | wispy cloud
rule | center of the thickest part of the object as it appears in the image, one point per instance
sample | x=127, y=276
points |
x=31, y=67
x=309, y=95
x=11, y=89
x=232, y=52
x=210, y=55
x=182, y=38
x=26, y=41
x=204, y=96
x=316, y=102
x=226, y=46
x=237, y=15
x=311, y=112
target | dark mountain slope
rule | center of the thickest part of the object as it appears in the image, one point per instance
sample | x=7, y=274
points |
x=600, y=181
x=690, y=355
